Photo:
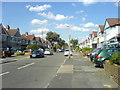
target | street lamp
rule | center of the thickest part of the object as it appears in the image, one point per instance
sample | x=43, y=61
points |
x=69, y=42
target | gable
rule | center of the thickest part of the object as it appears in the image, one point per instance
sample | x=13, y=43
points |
x=17, y=34
x=106, y=24
x=3, y=30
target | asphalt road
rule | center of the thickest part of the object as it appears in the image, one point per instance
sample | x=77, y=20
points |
x=24, y=72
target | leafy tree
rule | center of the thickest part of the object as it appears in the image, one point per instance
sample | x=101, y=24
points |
x=33, y=46
x=74, y=42
x=61, y=42
x=52, y=36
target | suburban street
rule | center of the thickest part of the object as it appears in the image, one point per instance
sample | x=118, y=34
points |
x=53, y=71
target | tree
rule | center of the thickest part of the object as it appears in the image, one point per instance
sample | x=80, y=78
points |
x=61, y=42
x=33, y=46
x=52, y=36
x=74, y=42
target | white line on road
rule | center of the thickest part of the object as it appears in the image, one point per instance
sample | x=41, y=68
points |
x=2, y=59
x=26, y=65
x=4, y=73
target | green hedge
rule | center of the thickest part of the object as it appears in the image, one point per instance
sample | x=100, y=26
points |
x=86, y=50
x=115, y=58
x=19, y=53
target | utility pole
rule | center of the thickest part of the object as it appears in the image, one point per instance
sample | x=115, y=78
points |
x=69, y=43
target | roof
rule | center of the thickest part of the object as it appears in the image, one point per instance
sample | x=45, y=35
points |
x=42, y=40
x=101, y=27
x=28, y=37
x=90, y=35
x=3, y=30
x=94, y=33
x=37, y=39
x=12, y=32
x=113, y=21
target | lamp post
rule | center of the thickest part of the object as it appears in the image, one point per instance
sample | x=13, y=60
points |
x=69, y=42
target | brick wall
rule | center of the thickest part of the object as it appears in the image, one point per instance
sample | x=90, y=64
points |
x=113, y=71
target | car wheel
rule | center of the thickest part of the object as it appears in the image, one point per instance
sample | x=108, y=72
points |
x=97, y=65
x=30, y=56
x=103, y=64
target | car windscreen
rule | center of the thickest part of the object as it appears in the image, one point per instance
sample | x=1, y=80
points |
x=35, y=52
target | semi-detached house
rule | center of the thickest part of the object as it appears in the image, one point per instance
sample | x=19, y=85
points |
x=112, y=30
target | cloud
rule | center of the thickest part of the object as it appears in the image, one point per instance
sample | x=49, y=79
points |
x=88, y=2
x=39, y=22
x=57, y=17
x=38, y=8
x=89, y=24
x=78, y=12
x=83, y=19
x=72, y=27
x=39, y=31
x=73, y=4
x=43, y=35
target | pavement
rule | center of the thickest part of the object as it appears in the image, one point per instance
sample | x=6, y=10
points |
x=56, y=71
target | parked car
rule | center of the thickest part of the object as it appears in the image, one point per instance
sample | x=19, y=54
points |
x=91, y=54
x=60, y=50
x=36, y=53
x=104, y=54
x=27, y=52
x=48, y=52
x=66, y=52
x=8, y=52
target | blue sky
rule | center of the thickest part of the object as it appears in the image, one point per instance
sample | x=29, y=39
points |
x=61, y=17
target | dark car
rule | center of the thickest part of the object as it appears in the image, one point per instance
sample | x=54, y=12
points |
x=8, y=52
x=36, y=53
x=91, y=54
x=104, y=54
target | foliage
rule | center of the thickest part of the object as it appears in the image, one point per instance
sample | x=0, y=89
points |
x=61, y=42
x=19, y=53
x=115, y=58
x=54, y=48
x=88, y=49
x=33, y=46
x=58, y=46
x=52, y=36
x=74, y=42
x=77, y=48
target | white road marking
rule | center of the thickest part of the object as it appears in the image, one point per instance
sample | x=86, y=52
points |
x=109, y=86
x=26, y=65
x=4, y=73
x=2, y=59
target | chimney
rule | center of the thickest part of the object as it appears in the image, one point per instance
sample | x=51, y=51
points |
x=7, y=27
x=26, y=34
x=18, y=29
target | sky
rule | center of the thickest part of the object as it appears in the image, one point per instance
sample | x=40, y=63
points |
x=78, y=19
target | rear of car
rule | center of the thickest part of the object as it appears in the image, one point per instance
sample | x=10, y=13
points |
x=36, y=53
x=66, y=53
x=104, y=54
x=92, y=54
x=48, y=52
